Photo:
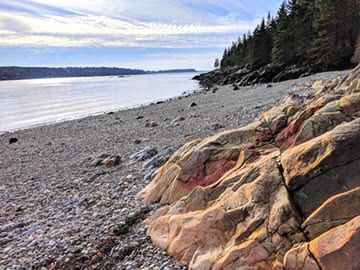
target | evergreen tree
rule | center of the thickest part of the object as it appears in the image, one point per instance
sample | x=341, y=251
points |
x=262, y=46
x=217, y=63
x=315, y=32
x=337, y=27
x=281, y=49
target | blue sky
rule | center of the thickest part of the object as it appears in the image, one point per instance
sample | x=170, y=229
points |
x=148, y=34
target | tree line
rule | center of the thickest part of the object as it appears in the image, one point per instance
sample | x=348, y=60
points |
x=16, y=73
x=320, y=33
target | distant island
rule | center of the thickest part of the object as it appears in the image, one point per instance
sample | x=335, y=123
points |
x=18, y=73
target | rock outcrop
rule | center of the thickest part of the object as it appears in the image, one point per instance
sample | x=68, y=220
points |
x=280, y=193
x=243, y=76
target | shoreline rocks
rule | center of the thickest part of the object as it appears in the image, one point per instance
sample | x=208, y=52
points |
x=280, y=193
x=244, y=76
x=59, y=212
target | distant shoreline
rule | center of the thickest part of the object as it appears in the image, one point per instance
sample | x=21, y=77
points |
x=24, y=73
x=187, y=95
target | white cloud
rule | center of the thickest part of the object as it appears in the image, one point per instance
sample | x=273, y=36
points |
x=120, y=23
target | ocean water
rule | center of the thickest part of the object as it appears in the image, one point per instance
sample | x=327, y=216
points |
x=28, y=103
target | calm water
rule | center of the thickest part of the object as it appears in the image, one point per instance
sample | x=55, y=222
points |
x=28, y=103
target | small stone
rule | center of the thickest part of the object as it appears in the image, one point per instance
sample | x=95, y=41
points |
x=159, y=159
x=96, y=258
x=135, y=244
x=121, y=228
x=132, y=218
x=137, y=141
x=176, y=121
x=95, y=162
x=144, y=154
x=216, y=126
x=151, y=124
x=19, y=208
x=111, y=161
x=193, y=104
x=151, y=175
x=13, y=140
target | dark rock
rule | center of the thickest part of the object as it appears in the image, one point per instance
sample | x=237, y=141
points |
x=137, y=216
x=121, y=228
x=216, y=126
x=139, y=117
x=244, y=76
x=176, y=121
x=145, y=154
x=291, y=72
x=132, y=218
x=111, y=161
x=13, y=140
x=159, y=159
x=95, y=162
x=151, y=124
x=137, y=141
x=193, y=104
x=125, y=251
x=151, y=174
x=104, y=159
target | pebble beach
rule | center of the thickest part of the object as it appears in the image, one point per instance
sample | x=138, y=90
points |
x=68, y=190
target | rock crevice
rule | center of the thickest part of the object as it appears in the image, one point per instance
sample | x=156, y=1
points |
x=269, y=195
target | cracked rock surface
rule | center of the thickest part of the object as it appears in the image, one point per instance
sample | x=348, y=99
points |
x=280, y=193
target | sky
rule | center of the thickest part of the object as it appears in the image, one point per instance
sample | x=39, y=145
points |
x=146, y=34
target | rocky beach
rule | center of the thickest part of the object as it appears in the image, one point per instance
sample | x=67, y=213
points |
x=69, y=190
x=279, y=193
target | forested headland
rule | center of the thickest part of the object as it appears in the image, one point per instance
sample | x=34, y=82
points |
x=304, y=37
x=16, y=73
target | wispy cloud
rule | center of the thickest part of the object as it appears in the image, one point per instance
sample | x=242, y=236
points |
x=128, y=23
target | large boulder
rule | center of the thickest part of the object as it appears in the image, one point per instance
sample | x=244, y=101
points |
x=253, y=223
x=300, y=258
x=323, y=166
x=281, y=193
x=333, y=212
x=338, y=248
x=202, y=163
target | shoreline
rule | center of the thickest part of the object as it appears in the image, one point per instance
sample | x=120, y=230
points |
x=73, y=72
x=55, y=104
x=94, y=76
x=151, y=103
x=64, y=209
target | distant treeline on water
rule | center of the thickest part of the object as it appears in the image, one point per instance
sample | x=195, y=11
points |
x=17, y=73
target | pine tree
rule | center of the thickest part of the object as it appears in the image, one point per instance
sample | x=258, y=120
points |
x=281, y=50
x=315, y=32
x=262, y=46
x=336, y=26
x=216, y=63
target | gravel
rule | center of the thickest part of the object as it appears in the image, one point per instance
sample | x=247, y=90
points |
x=68, y=190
